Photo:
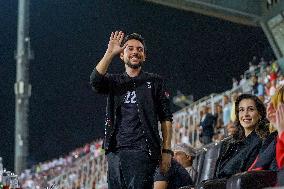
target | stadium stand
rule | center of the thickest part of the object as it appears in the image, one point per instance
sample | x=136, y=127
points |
x=85, y=168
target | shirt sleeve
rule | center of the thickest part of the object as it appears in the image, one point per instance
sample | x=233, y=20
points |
x=280, y=150
x=164, y=110
x=99, y=82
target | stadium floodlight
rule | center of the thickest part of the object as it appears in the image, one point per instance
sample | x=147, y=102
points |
x=22, y=87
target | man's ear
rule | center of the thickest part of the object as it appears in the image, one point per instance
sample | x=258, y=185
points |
x=121, y=55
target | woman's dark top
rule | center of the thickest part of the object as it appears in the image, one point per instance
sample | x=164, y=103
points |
x=237, y=156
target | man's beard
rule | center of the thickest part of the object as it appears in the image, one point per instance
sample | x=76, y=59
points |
x=134, y=66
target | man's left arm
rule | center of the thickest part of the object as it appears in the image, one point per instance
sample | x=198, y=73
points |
x=166, y=127
x=165, y=117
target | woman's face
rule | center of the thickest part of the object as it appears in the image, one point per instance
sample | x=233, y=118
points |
x=271, y=113
x=248, y=114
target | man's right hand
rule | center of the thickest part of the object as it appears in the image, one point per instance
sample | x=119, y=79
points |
x=114, y=48
x=114, y=44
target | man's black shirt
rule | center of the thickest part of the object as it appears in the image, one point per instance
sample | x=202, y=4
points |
x=153, y=103
x=129, y=129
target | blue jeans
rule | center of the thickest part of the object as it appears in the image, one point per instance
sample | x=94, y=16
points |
x=130, y=169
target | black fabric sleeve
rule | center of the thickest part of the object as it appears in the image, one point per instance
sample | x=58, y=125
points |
x=164, y=110
x=100, y=83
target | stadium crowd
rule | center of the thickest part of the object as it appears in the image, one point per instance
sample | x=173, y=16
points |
x=40, y=175
x=260, y=79
x=215, y=119
x=203, y=123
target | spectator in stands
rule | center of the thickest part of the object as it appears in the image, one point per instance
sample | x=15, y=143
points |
x=251, y=68
x=132, y=140
x=181, y=172
x=262, y=64
x=240, y=152
x=272, y=88
x=280, y=143
x=275, y=115
x=257, y=88
x=226, y=110
x=267, y=88
x=275, y=67
x=254, y=61
x=234, y=97
x=280, y=80
x=219, y=130
x=246, y=86
x=273, y=147
x=272, y=75
x=207, y=126
x=219, y=116
x=242, y=80
x=234, y=83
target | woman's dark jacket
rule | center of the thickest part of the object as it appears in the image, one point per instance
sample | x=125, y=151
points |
x=237, y=156
x=153, y=104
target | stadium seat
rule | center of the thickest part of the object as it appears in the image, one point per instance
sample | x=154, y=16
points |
x=199, y=159
x=205, y=163
x=212, y=184
x=252, y=179
x=209, y=163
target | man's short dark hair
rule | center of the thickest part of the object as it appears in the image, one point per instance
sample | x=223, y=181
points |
x=135, y=36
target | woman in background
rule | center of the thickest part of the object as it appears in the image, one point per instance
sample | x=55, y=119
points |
x=275, y=114
x=239, y=153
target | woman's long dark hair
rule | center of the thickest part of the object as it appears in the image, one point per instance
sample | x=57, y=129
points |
x=262, y=127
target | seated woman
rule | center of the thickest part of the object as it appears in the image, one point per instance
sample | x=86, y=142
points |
x=275, y=114
x=280, y=142
x=238, y=154
x=273, y=146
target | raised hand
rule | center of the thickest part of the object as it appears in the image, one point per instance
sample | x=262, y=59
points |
x=280, y=119
x=271, y=113
x=114, y=44
x=114, y=48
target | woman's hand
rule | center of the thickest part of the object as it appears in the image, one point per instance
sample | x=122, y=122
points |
x=280, y=119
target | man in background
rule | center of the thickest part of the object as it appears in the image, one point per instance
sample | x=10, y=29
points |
x=181, y=172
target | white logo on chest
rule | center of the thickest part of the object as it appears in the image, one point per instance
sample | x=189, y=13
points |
x=130, y=97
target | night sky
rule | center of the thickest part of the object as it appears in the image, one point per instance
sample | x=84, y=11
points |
x=198, y=55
